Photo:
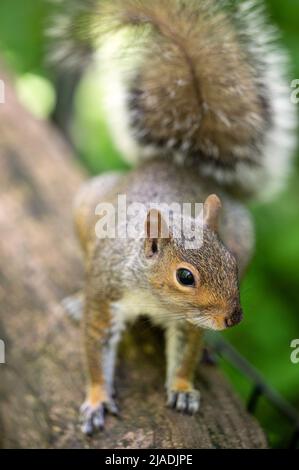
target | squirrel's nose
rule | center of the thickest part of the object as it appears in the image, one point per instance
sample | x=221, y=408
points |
x=235, y=318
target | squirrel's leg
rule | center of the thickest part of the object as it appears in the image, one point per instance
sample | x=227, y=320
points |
x=101, y=337
x=184, y=347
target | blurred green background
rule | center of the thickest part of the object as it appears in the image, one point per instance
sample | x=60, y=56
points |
x=271, y=289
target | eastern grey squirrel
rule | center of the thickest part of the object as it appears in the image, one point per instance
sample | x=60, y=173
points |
x=197, y=98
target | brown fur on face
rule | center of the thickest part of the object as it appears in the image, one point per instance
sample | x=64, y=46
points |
x=214, y=301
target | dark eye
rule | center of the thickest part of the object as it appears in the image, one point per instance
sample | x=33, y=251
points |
x=185, y=277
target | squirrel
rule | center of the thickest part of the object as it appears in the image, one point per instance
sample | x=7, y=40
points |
x=198, y=100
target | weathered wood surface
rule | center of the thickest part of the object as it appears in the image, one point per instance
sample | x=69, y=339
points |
x=41, y=385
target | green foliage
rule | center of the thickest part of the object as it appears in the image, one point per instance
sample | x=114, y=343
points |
x=91, y=131
x=21, y=33
x=271, y=289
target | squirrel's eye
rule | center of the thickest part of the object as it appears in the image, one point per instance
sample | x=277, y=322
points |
x=185, y=277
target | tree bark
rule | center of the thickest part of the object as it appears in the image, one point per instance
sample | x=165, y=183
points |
x=42, y=383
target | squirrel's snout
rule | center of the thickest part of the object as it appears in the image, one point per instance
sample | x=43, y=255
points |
x=235, y=318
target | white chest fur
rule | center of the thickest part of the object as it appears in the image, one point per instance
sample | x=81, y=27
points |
x=138, y=303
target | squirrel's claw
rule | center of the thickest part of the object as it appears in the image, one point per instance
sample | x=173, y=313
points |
x=187, y=402
x=112, y=408
x=93, y=417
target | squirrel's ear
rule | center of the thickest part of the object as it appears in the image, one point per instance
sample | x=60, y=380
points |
x=212, y=210
x=156, y=232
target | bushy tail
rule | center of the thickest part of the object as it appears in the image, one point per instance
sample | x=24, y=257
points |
x=196, y=80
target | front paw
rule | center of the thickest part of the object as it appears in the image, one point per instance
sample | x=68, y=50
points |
x=184, y=401
x=93, y=416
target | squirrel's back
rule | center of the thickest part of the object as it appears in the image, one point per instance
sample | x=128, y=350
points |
x=199, y=81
